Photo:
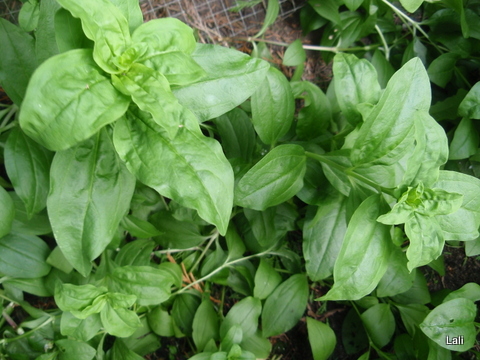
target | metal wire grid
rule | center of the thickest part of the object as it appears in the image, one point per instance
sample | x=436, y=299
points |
x=214, y=18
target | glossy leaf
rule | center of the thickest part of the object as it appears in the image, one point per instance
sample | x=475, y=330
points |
x=28, y=15
x=28, y=168
x=110, y=33
x=202, y=179
x=387, y=131
x=82, y=330
x=452, y=319
x=205, y=325
x=139, y=228
x=295, y=54
x=465, y=141
x=119, y=321
x=231, y=78
x=90, y=192
x=363, y=258
x=17, y=62
x=151, y=286
x=322, y=339
x=23, y=256
x=71, y=297
x=244, y=314
x=7, y=211
x=160, y=322
x=266, y=280
x=285, y=306
x=58, y=113
x=273, y=180
x=379, y=323
x=273, y=107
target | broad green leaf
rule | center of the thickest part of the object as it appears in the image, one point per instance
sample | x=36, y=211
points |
x=167, y=34
x=39, y=224
x=273, y=107
x=244, y=314
x=200, y=178
x=266, y=280
x=417, y=294
x=232, y=77
x=233, y=337
x=119, y=322
x=441, y=69
x=28, y=15
x=139, y=228
x=237, y=134
x=322, y=339
x=28, y=168
x=23, y=256
x=464, y=223
x=17, y=62
x=90, y=192
x=335, y=175
x=465, y=140
x=69, y=34
x=355, y=83
x=110, y=33
x=7, y=211
x=74, y=350
x=151, y=286
x=45, y=39
x=132, y=11
x=120, y=351
x=183, y=311
x=436, y=352
x=58, y=113
x=411, y=5
x=151, y=92
x=34, y=286
x=274, y=179
x=379, y=323
x=316, y=114
x=469, y=291
x=273, y=9
x=71, y=297
x=78, y=329
x=384, y=68
x=295, y=54
x=236, y=247
x=387, y=132
x=363, y=257
x=426, y=240
x=470, y=106
x=285, y=306
x=472, y=248
x=205, y=325
x=397, y=278
x=323, y=234
x=327, y=9
x=160, y=322
x=59, y=261
x=257, y=345
x=454, y=318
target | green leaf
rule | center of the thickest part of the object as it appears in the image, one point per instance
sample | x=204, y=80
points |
x=119, y=321
x=82, y=330
x=23, y=256
x=28, y=16
x=17, y=62
x=110, y=33
x=470, y=106
x=273, y=9
x=151, y=286
x=205, y=325
x=363, y=258
x=71, y=297
x=295, y=54
x=323, y=234
x=387, y=131
x=454, y=318
x=132, y=11
x=383, y=67
x=160, y=322
x=411, y=5
x=322, y=339
x=327, y=9
x=397, y=278
x=465, y=140
x=257, y=345
x=243, y=314
x=183, y=311
x=139, y=228
x=355, y=82
x=69, y=34
x=441, y=69
x=202, y=178
x=58, y=113
x=316, y=114
x=45, y=39
x=469, y=291
x=7, y=211
x=266, y=280
x=232, y=77
x=379, y=323
x=39, y=224
x=417, y=294
x=120, y=351
x=90, y=192
x=274, y=179
x=285, y=306
x=28, y=168
x=74, y=350
x=354, y=337
x=58, y=260
x=273, y=107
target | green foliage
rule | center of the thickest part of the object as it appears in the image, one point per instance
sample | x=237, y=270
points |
x=156, y=187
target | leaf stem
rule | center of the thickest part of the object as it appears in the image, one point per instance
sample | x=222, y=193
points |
x=384, y=41
x=213, y=237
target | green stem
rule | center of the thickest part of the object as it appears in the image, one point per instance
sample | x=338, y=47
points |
x=171, y=251
x=213, y=237
x=384, y=41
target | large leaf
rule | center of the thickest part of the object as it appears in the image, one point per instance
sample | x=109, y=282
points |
x=17, y=62
x=28, y=168
x=110, y=33
x=23, y=256
x=231, y=78
x=363, y=258
x=285, y=306
x=90, y=192
x=274, y=179
x=379, y=323
x=387, y=131
x=68, y=100
x=74, y=350
x=273, y=107
x=205, y=325
x=190, y=169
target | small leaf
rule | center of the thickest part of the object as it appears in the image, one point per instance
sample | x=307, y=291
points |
x=273, y=9
x=205, y=325
x=465, y=141
x=183, y=311
x=295, y=54
x=28, y=16
x=411, y=5
x=470, y=106
x=243, y=314
x=441, y=69
x=322, y=339
x=266, y=280
x=118, y=321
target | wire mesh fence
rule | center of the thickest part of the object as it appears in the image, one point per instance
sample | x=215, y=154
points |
x=214, y=18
